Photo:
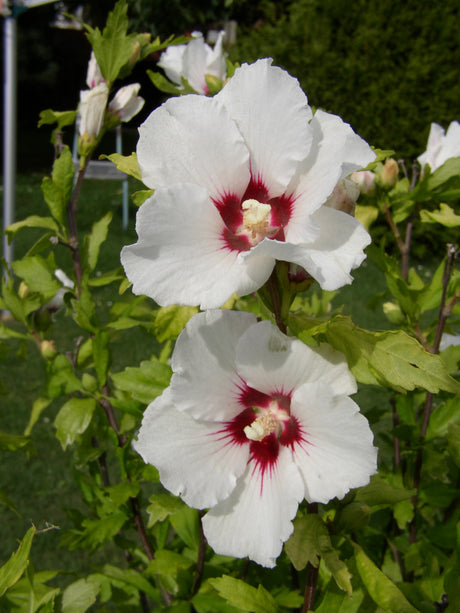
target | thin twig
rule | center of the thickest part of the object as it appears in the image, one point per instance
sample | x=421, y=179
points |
x=311, y=577
x=201, y=556
x=444, y=312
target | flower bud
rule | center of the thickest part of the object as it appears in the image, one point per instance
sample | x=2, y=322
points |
x=344, y=196
x=91, y=114
x=23, y=290
x=389, y=174
x=393, y=313
x=48, y=349
x=94, y=75
x=124, y=105
x=364, y=179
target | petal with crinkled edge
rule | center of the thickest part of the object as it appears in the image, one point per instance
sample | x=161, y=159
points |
x=337, y=453
x=180, y=257
x=255, y=520
x=272, y=113
x=192, y=139
x=335, y=153
x=193, y=459
x=329, y=259
x=271, y=362
x=205, y=382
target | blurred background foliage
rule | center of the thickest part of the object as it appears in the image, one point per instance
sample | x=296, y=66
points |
x=388, y=68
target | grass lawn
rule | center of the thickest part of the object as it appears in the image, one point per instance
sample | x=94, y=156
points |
x=41, y=483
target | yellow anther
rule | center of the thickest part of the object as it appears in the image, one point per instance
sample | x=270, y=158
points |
x=255, y=216
x=261, y=427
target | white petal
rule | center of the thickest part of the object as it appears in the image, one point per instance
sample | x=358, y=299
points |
x=338, y=249
x=271, y=362
x=180, y=257
x=272, y=113
x=433, y=147
x=338, y=453
x=336, y=151
x=192, y=139
x=451, y=144
x=215, y=60
x=172, y=63
x=195, y=64
x=205, y=380
x=255, y=520
x=191, y=457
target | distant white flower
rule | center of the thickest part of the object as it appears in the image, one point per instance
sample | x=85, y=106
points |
x=93, y=75
x=126, y=103
x=441, y=145
x=91, y=110
x=193, y=61
x=57, y=301
x=240, y=180
x=254, y=422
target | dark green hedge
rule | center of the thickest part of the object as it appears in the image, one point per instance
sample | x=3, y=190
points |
x=389, y=68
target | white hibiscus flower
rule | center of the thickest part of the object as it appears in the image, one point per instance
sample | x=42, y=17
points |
x=240, y=180
x=254, y=422
x=194, y=61
x=441, y=145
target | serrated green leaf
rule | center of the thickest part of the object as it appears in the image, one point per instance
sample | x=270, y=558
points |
x=450, y=169
x=101, y=355
x=11, y=572
x=33, y=221
x=163, y=84
x=171, y=320
x=392, y=359
x=161, y=506
x=61, y=379
x=444, y=216
x=125, y=163
x=453, y=439
x=445, y=413
x=302, y=547
x=379, y=492
x=73, y=419
x=210, y=603
x=79, y=596
x=380, y=588
x=141, y=196
x=144, y=383
x=61, y=118
x=113, y=47
x=186, y=523
x=336, y=601
x=6, y=332
x=57, y=189
x=309, y=542
x=13, y=442
x=84, y=310
x=243, y=596
x=38, y=275
x=99, y=531
x=93, y=242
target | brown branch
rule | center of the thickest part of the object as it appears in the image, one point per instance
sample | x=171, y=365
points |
x=311, y=577
x=201, y=556
x=394, y=228
x=444, y=312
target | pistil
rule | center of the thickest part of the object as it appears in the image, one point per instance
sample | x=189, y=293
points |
x=255, y=217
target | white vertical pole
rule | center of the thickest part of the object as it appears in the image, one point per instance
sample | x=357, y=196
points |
x=9, y=128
